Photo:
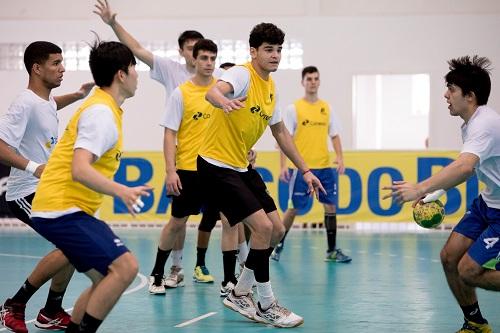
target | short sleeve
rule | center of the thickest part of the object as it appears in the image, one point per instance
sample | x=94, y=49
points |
x=479, y=143
x=174, y=111
x=334, y=124
x=239, y=78
x=290, y=118
x=97, y=131
x=13, y=123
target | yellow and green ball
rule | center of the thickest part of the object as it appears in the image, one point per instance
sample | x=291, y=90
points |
x=429, y=215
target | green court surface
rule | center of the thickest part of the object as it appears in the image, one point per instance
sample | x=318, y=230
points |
x=395, y=283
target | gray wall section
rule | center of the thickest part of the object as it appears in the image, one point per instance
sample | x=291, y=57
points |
x=369, y=42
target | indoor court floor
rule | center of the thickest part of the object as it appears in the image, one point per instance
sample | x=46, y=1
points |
x=395, y=283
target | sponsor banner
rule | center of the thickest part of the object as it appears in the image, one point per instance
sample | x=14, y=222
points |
x=359, y=189
x=4, y=175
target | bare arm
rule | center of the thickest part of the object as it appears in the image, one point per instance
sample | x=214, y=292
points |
x=287, y=146
x=65, y=100
x=83, y=172
x=452, y=175
x=172, y=181
x=109, y=17
x=339, y=159
x=10, y=158
x=216, y=97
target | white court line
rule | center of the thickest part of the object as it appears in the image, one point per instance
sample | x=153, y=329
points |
x=194, y=320
x=142, y=284
x=19, y=256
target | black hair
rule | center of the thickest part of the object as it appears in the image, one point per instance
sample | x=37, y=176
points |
x=266, y=33
x=106, y=59
x=309, y=69
x=38, y=52
x=204, y=45
x=188, y=35
x=227, y=65
x=472, y=76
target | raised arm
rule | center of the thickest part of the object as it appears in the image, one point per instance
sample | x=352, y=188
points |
x=65, y=100
x=109, y=17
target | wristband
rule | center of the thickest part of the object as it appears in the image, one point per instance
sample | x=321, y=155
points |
x=31, y=167
x=308, y=170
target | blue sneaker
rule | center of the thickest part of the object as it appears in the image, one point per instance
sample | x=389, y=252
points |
x=277, y=252
x=337, y=256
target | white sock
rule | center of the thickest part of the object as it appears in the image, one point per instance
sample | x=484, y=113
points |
x=177, y=258
x=265, y=293
x=242, y=252
x=245, y=282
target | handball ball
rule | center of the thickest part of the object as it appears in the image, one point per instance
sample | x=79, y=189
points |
x=429, y=215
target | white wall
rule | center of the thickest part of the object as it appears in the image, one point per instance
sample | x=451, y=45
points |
x=340, y=45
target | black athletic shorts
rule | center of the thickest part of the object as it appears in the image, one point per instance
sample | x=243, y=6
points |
x=189, y=202
x=236, y=194
x=21, y=208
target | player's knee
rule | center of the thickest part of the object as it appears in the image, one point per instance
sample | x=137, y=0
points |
x=264, y=227
x=177, y=225
x=126, y=267
x=448, y=260
x=279, y=230
x=469, y=271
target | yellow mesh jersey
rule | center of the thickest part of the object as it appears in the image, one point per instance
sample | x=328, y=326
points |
x=195, y=118
x=311, y=133
x=57, y=191
x=229, y=137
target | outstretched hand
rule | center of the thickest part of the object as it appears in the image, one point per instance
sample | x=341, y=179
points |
x=233, y=104
x=105, y=12
x=403, y=191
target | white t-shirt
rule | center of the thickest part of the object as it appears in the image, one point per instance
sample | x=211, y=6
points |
x=481, y=137
x=97, y=131
x=172, y=74
x=30, y=126
x=290, y=120
x=172, y=117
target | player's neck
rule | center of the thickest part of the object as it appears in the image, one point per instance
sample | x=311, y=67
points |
x=470, y=112
x=201, y=80
x=311, y=98
x=115, y=92
x=260, y=71
x=39, y=89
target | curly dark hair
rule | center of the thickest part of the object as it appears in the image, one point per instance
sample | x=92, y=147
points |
x=266, y=33
x=472, y=76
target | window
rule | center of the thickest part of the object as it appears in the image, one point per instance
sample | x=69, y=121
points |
x=76, y=54
x=391, y=111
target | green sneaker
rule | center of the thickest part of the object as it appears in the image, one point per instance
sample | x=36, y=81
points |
x=202, y=275
x=337, y=256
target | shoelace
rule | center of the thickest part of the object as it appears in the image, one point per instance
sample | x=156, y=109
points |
x=280, y=309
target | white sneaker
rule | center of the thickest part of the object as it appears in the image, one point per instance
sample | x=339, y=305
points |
x=278, y=316
x=243, y=304
x=225, y=290
x=176, y=278
x=157, y=285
